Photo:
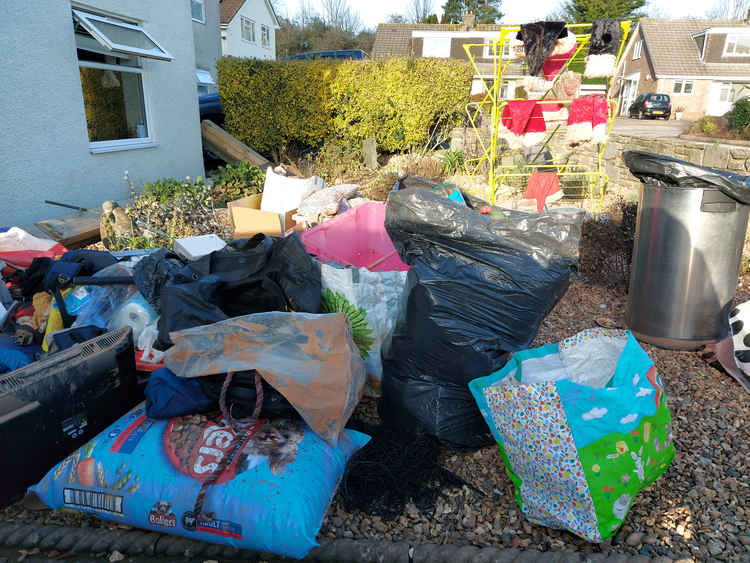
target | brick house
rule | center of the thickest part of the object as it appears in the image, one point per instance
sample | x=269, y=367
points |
x=704, y=65
x=446, y=41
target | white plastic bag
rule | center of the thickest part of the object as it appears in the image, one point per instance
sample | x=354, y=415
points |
x=381, y=295
x=320, y=205
x=282, y=194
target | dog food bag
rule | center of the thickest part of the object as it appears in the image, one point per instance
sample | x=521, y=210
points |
x=582, y=425
x=270, y=495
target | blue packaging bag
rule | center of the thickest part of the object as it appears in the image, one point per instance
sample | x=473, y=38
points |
x=142, y=472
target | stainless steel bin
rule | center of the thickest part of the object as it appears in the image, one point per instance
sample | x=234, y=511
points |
x=686, y=260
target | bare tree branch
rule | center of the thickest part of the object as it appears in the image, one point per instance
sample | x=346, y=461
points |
x=340, y=15
x=419, y=10
x=729, y=9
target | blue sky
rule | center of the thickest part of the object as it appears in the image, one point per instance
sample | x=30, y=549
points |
x=516, y=11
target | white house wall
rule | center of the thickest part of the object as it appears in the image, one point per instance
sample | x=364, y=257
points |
x=231, y=37
x=44, y=148
x=207, y=39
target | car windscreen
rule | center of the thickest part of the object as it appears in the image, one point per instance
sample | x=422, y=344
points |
x=659, y=98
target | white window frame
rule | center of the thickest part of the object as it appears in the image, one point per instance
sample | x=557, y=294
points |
x=487, y=51
x=726, y=87
x=683, y=84
x=732, y=40
x=637, y=48
x=203, y=10
x=440, y=47
x=243, y=19
x=88, y=22
x=113, y=145
x=265, y=31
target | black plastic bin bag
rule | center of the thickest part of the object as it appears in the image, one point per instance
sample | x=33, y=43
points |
x=478, y=288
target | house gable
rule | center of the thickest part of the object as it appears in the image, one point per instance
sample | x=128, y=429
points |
x=250, y=31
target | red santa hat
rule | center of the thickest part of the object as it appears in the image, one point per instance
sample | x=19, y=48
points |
x=587, y=120
x=564, y=49
x=522, y=124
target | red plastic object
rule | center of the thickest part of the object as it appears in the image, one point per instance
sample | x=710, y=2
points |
x=141, y=365
x=23, y=258
x=356, y=238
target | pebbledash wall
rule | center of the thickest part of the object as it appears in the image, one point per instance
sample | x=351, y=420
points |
x=44, y=146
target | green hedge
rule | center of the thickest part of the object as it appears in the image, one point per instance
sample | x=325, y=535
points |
x=402, y=102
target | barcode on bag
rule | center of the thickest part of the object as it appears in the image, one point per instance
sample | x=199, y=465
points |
x=93, y=499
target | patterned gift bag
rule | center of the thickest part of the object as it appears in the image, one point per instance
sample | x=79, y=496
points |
x=582, y=427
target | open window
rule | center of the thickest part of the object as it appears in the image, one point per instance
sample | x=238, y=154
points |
x=111, y=72
x=121, y=37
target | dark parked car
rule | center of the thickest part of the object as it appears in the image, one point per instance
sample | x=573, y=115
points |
x=209, y=106
x=651, y=105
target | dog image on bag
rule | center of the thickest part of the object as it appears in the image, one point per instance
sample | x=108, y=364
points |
x=276, y=441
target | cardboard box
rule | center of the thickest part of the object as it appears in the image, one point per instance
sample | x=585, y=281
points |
x=248, y=220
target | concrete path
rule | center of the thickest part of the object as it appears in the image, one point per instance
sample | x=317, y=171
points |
x=652, y=128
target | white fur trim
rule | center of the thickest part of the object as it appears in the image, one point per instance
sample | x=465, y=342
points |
x=599, y=66
x=558, y=115
x=579, y=133
x=514, y=141
x=599, y=134
x=533, y=139
x=564, y=45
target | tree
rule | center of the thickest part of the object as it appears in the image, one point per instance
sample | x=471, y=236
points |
x=432, y=18
x=338, y=14
x=729, y=9
x=419, y=10
x=586, y=11
x=486, y=11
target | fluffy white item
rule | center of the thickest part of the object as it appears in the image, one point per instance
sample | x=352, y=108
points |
x=533, y=139
x=579, y=133
x=557, y=115
x=599, y=66
x=599, y=133
x=564, y=45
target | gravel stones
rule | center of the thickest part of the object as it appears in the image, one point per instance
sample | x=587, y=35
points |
x=705, y=493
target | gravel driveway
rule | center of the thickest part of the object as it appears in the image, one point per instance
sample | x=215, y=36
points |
x=653, y=128
x=699, y=510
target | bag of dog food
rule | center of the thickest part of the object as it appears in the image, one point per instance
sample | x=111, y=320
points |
x=582, y=426
x=270, y=494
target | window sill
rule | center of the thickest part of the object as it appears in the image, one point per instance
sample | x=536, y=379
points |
x=122, y=147
x=199, y=21
x=249, y=42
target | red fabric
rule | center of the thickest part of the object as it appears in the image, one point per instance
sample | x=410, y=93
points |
x=22, y=258
x=523, y=116
x=599, y=113
x=554, y=63
x=588, y=109
x=541, y=185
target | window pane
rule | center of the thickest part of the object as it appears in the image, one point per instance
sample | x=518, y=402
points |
x=114, y=104
x=742, y=46
x=197, y=9
x=677, y=87
x=688, y=87
x=126, y=36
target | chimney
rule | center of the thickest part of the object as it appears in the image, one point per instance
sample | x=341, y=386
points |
x=469, y=21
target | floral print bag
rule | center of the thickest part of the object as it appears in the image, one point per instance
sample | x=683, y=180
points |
x=582, y=426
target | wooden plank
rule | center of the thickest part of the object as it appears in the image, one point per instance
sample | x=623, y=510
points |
x=72, y=231
x=227, y=147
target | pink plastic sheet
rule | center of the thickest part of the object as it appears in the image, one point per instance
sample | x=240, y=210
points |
x=356, y=238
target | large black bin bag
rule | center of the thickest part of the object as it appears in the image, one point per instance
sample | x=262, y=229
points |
x=478, y=288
